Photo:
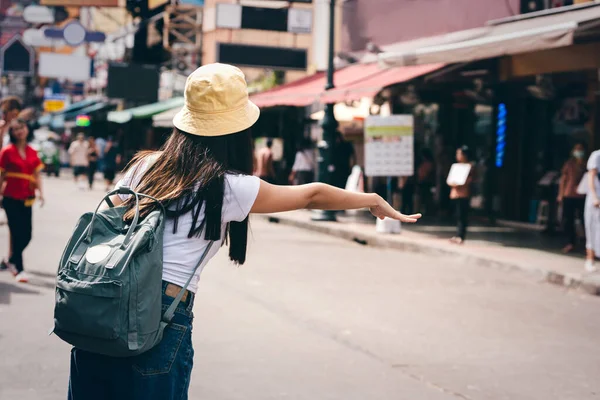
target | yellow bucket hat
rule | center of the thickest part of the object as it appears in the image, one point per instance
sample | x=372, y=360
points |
x=216, y=102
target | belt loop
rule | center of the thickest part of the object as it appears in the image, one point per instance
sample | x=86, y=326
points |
x=190, y=300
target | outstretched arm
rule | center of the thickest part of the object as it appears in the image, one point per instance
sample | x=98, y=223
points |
x=273, y=198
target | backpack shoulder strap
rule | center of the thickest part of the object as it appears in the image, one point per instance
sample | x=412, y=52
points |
x=168, y=315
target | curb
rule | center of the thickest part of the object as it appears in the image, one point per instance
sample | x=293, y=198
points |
x=587, y=283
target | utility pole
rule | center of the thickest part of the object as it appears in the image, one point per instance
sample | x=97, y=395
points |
x=329, y=124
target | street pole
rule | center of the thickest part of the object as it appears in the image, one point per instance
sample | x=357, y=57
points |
x=329, y=124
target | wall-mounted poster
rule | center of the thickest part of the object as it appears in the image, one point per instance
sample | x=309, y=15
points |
x=389, y=145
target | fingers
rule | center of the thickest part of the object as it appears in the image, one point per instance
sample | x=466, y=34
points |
x=409, y=218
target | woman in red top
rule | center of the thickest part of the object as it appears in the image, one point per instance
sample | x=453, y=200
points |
x=20, y=167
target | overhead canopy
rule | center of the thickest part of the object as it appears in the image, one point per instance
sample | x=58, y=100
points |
x=98, y=107
x=300, y=93
x=46, y=120
x=371, y=85
x=59, y=121
x=146, y=111
x=522, y=34
x=165, y=119
x=345, y=113
x=351, y=83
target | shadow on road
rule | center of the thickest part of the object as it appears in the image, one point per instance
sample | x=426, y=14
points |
x=42, y=274
x=42, y=284
x=7, y=289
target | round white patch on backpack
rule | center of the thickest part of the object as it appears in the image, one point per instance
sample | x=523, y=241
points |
x=95, y=254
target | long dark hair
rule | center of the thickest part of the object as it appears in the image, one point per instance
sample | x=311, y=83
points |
x=189, y=172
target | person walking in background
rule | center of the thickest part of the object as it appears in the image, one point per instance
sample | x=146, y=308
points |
x=344, y=159
x=202, y=176
x=20, y=167
x=78, y=153
x=303, y=170
x=592, y=212
x=573, y=203
x=92, y=158
x=461, y=195
x=426, y=181
x=264, y=163
x=101, y=146
x=112, y=158
x=11, y=107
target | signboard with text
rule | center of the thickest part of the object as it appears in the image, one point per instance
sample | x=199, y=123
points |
x=389, y=145
x=280, y=58
x=237, y=16
x=55, y=103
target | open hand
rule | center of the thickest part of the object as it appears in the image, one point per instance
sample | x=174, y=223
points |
x=383, y=210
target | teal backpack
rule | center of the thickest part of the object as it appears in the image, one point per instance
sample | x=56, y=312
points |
x=109, y=282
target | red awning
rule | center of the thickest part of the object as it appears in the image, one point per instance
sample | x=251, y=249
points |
x=372, y=84
x=300, y=93
x=353, y=82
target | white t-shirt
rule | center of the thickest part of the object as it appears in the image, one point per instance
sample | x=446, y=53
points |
x=305, y=161
x=593, y=163
x=180, y=253
x=78, y=152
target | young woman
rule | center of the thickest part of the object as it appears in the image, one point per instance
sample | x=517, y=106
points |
x=20, y=167
x=10, y=107
x=461, y=195
x=92, y=158
x=202, y=175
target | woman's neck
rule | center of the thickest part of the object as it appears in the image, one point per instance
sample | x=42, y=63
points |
x=21, y=145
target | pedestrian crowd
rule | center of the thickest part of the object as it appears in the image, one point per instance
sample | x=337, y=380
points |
x=21, y=166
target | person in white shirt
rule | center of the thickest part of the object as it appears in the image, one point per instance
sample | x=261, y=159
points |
x=202, y=176
x=591, y=212
x=78, y=154
x=303, y=170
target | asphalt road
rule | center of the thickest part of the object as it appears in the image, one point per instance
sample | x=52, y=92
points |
x=310, y=317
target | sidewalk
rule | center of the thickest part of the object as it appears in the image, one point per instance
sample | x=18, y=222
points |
x=489, y=246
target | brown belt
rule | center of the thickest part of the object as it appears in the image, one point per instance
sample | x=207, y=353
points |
x=173, y=290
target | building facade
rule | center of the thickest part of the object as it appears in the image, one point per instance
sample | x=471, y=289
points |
x=519, y=104
x=260, y=37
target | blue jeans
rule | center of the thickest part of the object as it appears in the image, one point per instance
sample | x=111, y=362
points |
x=162, y=373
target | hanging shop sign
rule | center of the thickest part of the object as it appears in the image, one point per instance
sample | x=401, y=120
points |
x=17, y=58
x=280, y=58
x=74, y=34
x=55, y=103
x=72, y=67
x=236, y=16
x=36, y=38
x=389, y=145
x=38, y=15
x=500, y=134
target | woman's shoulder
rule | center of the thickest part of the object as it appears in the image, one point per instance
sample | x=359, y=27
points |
x=241, y=186
x=8, y=148
x=234, y=179
x=594, y=156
